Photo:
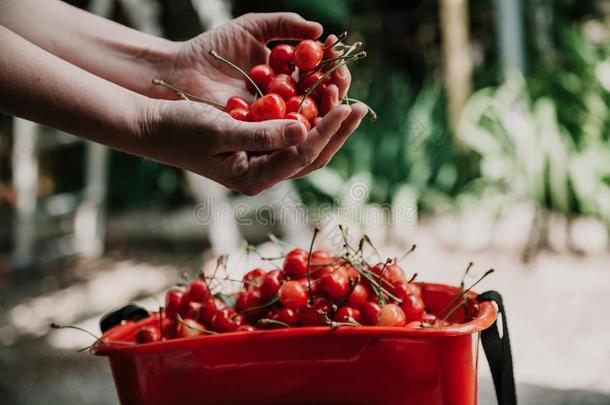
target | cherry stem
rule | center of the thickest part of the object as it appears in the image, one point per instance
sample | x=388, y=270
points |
x=56, y=326
x=466, y=274
x=462, y=293
x=412, y=279
x=270, y=303
x=358, y=56
x=216, y=56
x=340, y=38
x=267, y=322
x=404, y=256
x=208, y=332
x=187, y=96
x=380, y=295
x=368, y=240
x=333, y=324
x=313, y=239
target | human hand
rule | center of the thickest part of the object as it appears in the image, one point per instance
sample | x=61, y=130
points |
x=248, y=157
x=243, y=42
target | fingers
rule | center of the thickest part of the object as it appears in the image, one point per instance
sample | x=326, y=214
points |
x=358, y=111
x=265, y=171
x=269, y=26
x=329, y=99
x=263, y=136
x=342, y=76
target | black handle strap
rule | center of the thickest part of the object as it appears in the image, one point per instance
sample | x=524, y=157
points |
x=497, y=350
x=129, y=312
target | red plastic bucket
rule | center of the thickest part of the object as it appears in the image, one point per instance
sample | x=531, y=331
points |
x=309, y=365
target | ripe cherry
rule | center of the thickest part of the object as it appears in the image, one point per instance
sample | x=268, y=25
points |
x=286, y=315
x=358, y=296
x=347, y=314
x=413, y=308
x=369, y=312
x=308, y=54
x=198, y=291
x=308, y=81
x=254, y=278
x=207, y=312
x=307, y=283
x=335, y=285
x=295, y=263
x=282, y=85
x=236, y=102
x=268, y=107
x=281, y=59
x=261, y=75
x=309, y=110
x=173, y=299
x=309, y=315
x=391, y=315
x=240, y=114
x=170, y=330
x=189, y=328
x=147, y=335
x=226, y=320
x=245, y=328
x=292, y=295
x=271, y=285
x=298, y=117
x=401, y=290
x=190, y=309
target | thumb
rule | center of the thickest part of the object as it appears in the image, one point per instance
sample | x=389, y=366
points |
x=268, y=26
x=265, y=136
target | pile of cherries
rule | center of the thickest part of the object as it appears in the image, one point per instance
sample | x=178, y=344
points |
x=289, y=86
x=310, y=289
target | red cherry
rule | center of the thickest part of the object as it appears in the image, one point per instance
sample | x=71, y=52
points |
x=308, y=54
x=198, y=291
x=271, y=284
x=189, y=328
x=245, y=328
x=298, y=117
x=335, y=285
x=248, y=299
x=226, y=320
x=173, y=299
x=236, y=102
x=358, y=296
x=309, y=315
x=345, y=313
x=190, y=309
x=254, y=278
x=147, y=335
x=393, y=273
x=170, y=329
x=240, y=114
x=286, y=315
x=306, y=283
x=261, y=75
x=220, y=304
x=295, y=263
x=413, y=308
x=306, y=82
x=369, y=312
x=309, y=110
x=268, y=107
x=283, y=85
x=401, y=290
x=281, y=59
x=207, y=311
x=292, y=295
x=391, y=315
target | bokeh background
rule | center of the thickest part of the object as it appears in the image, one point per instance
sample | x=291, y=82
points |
x=492, y=145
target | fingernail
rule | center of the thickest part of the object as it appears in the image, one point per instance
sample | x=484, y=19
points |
x=294, y=133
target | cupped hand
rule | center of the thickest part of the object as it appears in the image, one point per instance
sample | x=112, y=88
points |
x=245, y=156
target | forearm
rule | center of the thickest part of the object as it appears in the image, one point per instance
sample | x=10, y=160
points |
x=117, y=53
x=41, y=87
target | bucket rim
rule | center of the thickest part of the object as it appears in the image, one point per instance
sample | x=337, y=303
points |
x=485, y=317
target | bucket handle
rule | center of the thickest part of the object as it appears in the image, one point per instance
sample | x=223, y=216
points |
x=497, y=350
